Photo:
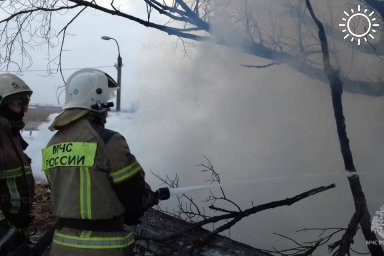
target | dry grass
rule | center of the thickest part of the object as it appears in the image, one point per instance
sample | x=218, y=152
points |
x=38, y=114
x=41, y=209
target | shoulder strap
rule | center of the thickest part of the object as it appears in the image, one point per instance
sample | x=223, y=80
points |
x=106, y=135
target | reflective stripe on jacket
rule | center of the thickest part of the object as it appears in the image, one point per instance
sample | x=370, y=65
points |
x=82, y=169
x=16, y=180
x=92, y=240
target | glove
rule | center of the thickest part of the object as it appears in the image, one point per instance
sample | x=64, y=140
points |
x=150, y=199
x=133, y=218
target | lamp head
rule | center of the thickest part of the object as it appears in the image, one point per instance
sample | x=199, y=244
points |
x=106, y=38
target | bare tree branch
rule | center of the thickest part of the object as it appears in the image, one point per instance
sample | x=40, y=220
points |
x=29, y=11
x=260, y=66
x=377, y=5
x=193, y=21
x=196, y=216
x=167, y=29
x=255, y=209
x=237, y=216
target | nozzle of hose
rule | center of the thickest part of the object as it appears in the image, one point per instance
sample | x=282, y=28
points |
x=163, y=194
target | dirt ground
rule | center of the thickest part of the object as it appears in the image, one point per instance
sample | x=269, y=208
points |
x=37, y=114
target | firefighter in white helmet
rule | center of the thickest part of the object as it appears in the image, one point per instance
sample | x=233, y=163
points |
x=97, y=185
x=16, y=180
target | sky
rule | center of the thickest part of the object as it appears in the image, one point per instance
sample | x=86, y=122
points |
x=270, y=133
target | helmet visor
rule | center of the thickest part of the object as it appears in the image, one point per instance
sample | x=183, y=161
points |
x=111, y=82
x=21, y=99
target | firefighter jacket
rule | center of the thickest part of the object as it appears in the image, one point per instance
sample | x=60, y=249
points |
x=93, y=175
x=16, y=180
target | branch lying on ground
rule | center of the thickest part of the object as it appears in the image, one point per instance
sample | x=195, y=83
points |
x=192, y=211
x=262, y=207
x=301, y=249
x=167, y=242
x=237, y=216
x=326, y=234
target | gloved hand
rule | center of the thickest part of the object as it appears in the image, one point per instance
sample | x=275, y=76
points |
x=133, y=218
x=150, y=199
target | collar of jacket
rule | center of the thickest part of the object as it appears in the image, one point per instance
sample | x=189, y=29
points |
x=5, y=124
x=96, y=119
x=67, y=117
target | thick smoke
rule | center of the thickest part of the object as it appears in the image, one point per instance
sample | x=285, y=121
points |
x=256, y=124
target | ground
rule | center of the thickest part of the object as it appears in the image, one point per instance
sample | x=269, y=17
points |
x=41, y=210
x=42, y=213
x=37, y=114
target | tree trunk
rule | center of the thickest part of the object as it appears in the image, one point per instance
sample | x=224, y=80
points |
x=353, y=178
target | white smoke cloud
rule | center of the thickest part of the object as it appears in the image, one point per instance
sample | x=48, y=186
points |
x=38, y=140
x=255, y=124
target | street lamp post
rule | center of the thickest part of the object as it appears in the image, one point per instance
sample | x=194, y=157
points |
x=118, y=67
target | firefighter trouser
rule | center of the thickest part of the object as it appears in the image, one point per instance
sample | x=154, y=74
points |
x=74, y=242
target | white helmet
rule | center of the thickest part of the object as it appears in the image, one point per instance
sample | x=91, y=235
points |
x=89, y=89
x=11, y=84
